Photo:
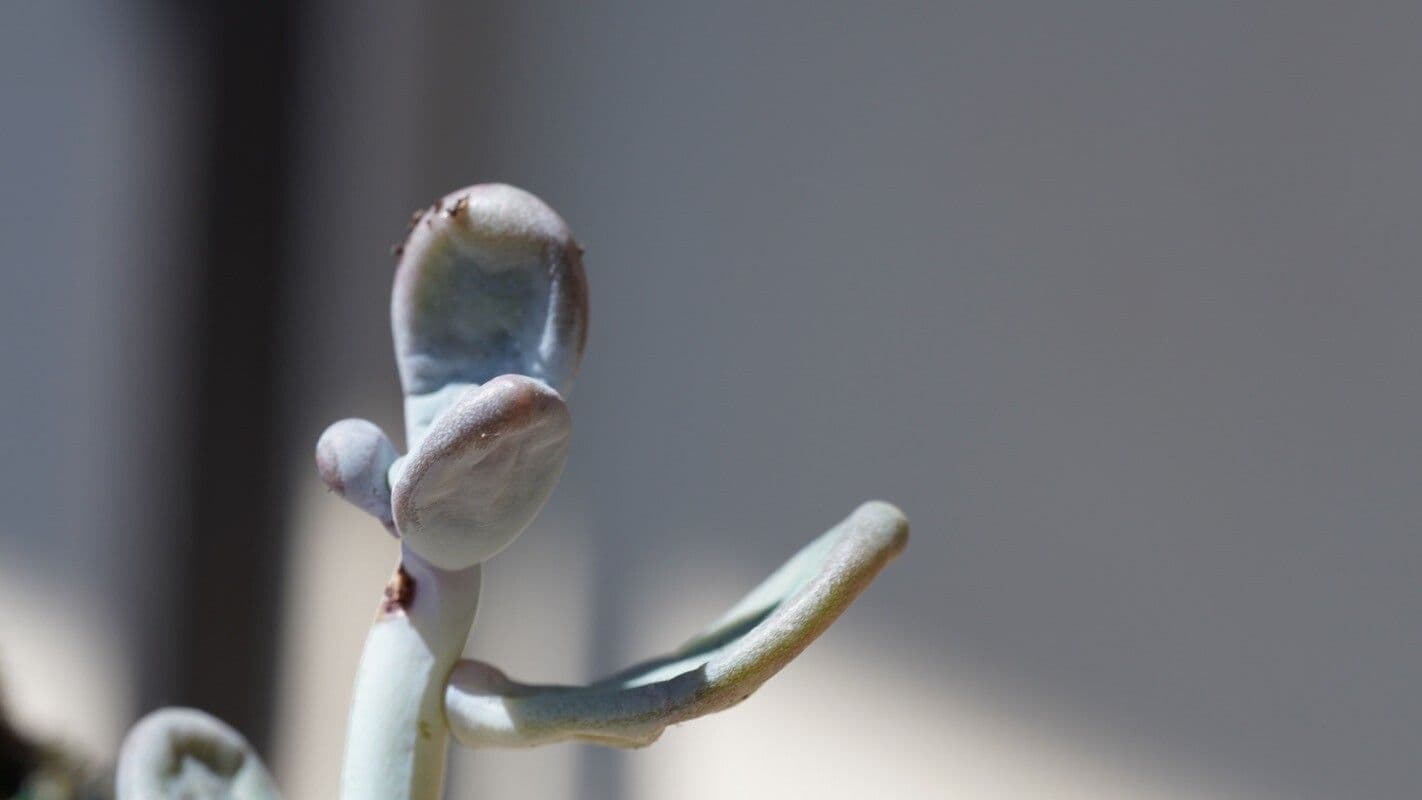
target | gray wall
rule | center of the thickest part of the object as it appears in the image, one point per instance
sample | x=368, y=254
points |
x=89, y=137
x=1118, y=301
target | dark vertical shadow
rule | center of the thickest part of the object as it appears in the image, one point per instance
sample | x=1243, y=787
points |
x=602, y=773
x=219, y=651
x=17, y=757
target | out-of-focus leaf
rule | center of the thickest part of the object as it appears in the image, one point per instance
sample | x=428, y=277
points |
x=185, y=754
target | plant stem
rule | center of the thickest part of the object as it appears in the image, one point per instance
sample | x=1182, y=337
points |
x=397, y=736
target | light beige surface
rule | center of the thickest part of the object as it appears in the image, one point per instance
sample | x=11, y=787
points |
x=847, y=721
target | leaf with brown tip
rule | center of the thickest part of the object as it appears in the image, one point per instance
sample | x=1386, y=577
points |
x=490, y=282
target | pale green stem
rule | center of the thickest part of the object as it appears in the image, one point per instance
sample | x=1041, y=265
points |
x=397, y=736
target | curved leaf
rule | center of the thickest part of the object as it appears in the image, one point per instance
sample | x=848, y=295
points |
x=715, y=670
x=482, y=472
x=183, y=753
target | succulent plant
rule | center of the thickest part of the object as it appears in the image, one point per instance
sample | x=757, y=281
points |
x=490, y=316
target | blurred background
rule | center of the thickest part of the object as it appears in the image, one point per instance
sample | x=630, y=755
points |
x=1118, y=301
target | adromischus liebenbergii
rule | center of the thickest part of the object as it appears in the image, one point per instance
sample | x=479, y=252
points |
x=489, y=314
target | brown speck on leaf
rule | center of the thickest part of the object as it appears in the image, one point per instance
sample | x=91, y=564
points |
x=459, y=205
x=399, y=593
x=397, y=249
x=328, y=464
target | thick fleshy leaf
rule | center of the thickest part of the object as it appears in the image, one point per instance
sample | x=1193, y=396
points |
x=482, y=472
x=715, y=670
x=490, y=282
x=183, y=753
x=354, y=458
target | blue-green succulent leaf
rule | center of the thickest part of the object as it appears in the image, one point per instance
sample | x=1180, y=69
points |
x=354, y=457
x=715, y=670
x=490, y=282
x=481, y=473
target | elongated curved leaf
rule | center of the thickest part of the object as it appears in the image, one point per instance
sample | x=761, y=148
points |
x=715, y=670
